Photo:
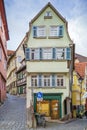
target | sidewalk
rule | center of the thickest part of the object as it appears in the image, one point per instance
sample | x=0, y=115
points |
x=61, y=122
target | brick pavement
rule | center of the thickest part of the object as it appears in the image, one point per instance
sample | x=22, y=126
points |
x=13, y=117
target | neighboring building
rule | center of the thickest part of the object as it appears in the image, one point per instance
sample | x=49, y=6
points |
x=14, y=65
x=10, y=53
x=81, y=69
x=48, y=54
x=11, y=76
x=4, y=37
x=21, y=78
x=80, y=58
x=78, y=90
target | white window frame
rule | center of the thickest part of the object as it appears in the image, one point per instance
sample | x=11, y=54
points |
x=34, y=80
x=47, y=53
x=60, y=53
x=54, y=31
x=35, y=53
x=41, y=31
x=60, y=77
x=47, y=79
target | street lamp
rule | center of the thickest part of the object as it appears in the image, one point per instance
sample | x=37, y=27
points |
x=80, y=81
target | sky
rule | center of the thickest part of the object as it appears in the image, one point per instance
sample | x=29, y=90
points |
x=20, y=12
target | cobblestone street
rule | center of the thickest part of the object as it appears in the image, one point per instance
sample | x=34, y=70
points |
x=13, y=117
x=13, y=113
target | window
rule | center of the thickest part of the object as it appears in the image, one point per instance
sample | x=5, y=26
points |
x=60, y=53
x=46, y=80
x=56, y=31
x=34, y=54
x=47, y=53
x=34, y=80
x=60, y=80
x=48, y=13
x=39, y=31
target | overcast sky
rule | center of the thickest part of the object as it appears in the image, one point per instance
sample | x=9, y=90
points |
x=20, y=12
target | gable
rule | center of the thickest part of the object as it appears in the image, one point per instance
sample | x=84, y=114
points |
x=48, y=8
x=48, y=24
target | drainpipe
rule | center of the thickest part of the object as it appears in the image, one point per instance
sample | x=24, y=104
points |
x=71, y=68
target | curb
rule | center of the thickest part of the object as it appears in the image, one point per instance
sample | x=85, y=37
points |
x=61, y=122
x=70, y=120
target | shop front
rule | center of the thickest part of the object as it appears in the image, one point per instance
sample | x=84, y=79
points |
x=50, y=105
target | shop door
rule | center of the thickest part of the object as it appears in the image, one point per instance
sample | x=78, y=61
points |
x=54, y=109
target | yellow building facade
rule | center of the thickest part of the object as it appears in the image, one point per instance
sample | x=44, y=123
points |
x=14, y=64
x=11, y=76
x=78, y=89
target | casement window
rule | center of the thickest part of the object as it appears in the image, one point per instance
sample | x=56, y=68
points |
x=46, y=80
x=52, y=80
x=39, y=31
x=47, y=53
x=34, y=54
x=56, y=31
x=60, y=53
x=60, y=80
x=34, y=80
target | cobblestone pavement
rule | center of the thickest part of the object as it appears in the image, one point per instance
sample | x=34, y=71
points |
x=13, y=117
x=13, y=113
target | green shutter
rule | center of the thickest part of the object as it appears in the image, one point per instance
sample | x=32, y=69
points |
x=41, y=56
x=68, y=53
x=34, y=31
x=54, y=53
x=40, y=80
x=60, y=31
x=53, y=80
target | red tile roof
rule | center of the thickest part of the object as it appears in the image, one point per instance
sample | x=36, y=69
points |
x=80, y=68
x=81, y=58
x=10, y=52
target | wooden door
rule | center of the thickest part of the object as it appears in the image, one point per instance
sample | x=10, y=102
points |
x=54, y=109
